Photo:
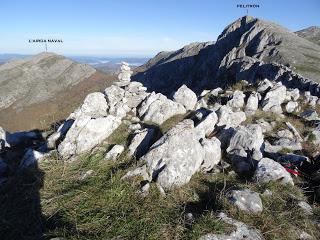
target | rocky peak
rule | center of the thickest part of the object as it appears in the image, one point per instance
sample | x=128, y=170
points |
x=242, y=22
x=249, y=48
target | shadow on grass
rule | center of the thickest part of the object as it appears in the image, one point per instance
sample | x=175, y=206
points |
x=20, y=213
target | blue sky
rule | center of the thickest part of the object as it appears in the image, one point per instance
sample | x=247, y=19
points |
x=136, y=27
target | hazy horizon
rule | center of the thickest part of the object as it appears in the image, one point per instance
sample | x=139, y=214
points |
x=78, y=55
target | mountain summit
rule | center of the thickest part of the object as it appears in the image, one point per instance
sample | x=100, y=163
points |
x=35, y=91
x=249, y=48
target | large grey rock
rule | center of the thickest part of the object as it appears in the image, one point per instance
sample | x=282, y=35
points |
x=246, y=200
x=86, y=133
x=158, y=108
x=135, y=87
x=292, y=106
x=117, y=101
x=95, y=105
x=114, y=152
x=252, y=102
x=245, y=148
x=241, y=232
x=212, y=153
x=114, y=95
x=285, y=133
x=141, y=142
x=286, y=143
x=237, y=100
x=274, y=98
x=186, y=97
x=269, y=170
x=228, y=118
x=249, y=137
x=175, y=157
x=134, y=94
x=206, y=125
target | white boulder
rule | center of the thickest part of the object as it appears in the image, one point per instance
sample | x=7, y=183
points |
x=274, y=98
x=95, y=105
x=212, y=153
x=86, y=133
x=228, y=118
x=115, y=152
x=186, y=97
x=207, y=125
x=237, y=100
x=252, y=102
x=175, y=157
x=249, y=137
x=114, y=95
x=292, y=106
x=269, y=170
x=158, y=108
x=246, y=200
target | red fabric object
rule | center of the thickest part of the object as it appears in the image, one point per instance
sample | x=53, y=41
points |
x=294, y=172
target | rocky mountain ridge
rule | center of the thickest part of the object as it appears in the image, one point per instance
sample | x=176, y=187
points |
x=51, y=72
x=35, y=87
x=249, y=49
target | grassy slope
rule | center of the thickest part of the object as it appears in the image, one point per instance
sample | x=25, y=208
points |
x=43, y=114
x=105, y=207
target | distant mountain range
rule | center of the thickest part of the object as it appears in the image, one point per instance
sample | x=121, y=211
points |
x=105, y=64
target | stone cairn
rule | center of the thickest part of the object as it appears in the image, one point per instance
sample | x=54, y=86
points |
x=124, y=76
